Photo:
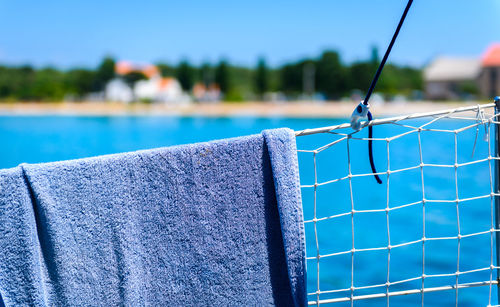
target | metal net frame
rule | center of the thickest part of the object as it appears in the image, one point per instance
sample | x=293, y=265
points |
x=474, y=117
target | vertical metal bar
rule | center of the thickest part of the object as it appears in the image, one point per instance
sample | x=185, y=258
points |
x=497, y=189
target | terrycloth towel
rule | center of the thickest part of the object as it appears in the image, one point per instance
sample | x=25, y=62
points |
x=217, y=223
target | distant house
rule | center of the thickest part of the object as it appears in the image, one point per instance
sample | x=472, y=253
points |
x=155, y=88
x=158, y=89
x=490, y=77
x=455, y=78
x=202, y=93
x=445, y=76
x=119, y=91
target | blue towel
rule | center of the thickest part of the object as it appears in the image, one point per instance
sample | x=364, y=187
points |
x=217, y=223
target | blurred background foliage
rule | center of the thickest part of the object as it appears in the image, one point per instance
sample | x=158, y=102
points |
x=327, y=75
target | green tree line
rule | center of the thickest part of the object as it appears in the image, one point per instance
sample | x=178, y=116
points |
x=326, y=74
x=49, y=84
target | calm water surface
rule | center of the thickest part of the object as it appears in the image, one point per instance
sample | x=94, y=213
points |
x=50, y=138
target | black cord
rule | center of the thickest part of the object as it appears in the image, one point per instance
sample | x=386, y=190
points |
x=374, y=82
x=386, y=55
x=370, y=150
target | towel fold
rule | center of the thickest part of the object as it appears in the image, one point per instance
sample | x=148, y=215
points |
x=216, y=223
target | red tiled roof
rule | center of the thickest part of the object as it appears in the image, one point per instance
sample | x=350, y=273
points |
x=150, y=71
x=492, y=56
x=164, y=82
x=125, y=67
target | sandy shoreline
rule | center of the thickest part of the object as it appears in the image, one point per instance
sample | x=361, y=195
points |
x=258, y=109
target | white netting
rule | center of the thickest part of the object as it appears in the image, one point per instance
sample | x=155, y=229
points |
x=429, y=227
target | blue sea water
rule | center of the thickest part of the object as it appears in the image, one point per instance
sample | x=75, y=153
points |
x=35, y=139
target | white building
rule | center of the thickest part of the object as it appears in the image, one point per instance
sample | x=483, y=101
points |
x=155, y=89
x=162, y=90
x=452, y=78
x=445, y=76
x=119, y=91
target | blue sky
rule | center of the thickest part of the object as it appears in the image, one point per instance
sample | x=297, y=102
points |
x=79, y=33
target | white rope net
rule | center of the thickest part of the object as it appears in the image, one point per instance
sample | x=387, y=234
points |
x=429, y=228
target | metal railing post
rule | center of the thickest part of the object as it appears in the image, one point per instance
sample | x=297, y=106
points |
x=497, y=190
